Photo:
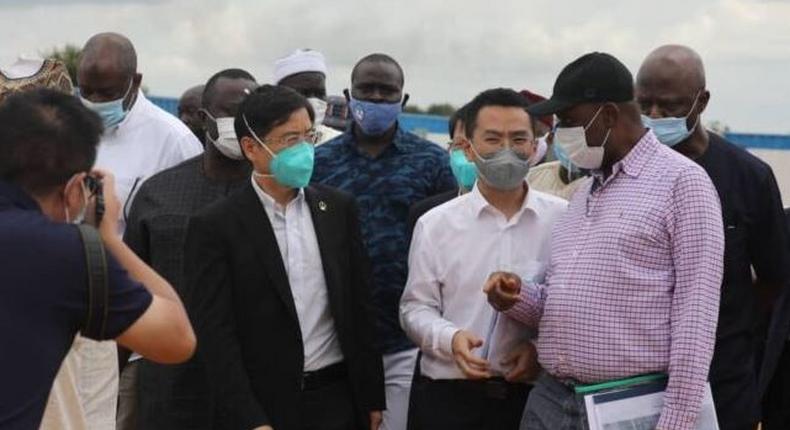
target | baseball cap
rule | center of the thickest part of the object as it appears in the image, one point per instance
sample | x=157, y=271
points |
x=591, y=78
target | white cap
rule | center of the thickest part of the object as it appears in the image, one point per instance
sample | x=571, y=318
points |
x=300, y=61
x=24, y=67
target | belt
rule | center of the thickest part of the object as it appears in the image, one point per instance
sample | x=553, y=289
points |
x=320, y=378
x=492, y=388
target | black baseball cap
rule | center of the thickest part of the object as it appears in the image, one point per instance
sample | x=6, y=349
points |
x=591, y=78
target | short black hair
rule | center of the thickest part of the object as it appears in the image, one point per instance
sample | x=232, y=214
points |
x=378, y=58
x=45, y=138
x=208, y=89
x=504, y=97
x=267, y=107
x=458, y=116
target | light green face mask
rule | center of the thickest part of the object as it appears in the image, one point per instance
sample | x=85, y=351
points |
x=465, y=172
x=291, y=167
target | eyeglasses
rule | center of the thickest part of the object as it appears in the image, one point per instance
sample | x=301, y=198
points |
x=312, y=137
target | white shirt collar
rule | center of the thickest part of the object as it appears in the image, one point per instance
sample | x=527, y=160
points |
x=268, y=201
x=531, y=202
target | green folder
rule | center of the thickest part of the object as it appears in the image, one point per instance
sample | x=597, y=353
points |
x=619, y=383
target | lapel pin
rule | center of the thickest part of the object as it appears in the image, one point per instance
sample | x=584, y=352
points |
x=322, y=206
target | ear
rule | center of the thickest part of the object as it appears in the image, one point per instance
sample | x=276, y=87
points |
x=137, y=79
x=704, y=98
x=249, y=147
x=73, y=191
x=610, y=114
x=466, y=146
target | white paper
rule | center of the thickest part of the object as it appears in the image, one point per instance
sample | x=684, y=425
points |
x=639, y=411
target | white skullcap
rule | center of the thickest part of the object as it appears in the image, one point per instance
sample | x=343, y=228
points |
x=300, y=61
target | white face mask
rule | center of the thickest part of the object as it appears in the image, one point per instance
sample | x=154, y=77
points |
x=573, y=142
x=319, y=107
x=226, y=142
x=540, y=151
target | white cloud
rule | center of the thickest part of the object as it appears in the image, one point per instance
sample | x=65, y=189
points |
x=450, y=50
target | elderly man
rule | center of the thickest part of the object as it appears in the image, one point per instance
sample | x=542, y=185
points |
x=387, y=169
x=139, y=140
x=635, y=269
x=305, y=72
x=671, y=90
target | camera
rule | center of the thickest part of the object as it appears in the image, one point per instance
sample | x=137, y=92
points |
x=94, y=187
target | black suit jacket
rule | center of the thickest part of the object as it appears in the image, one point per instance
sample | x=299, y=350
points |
x=777, y=339
x=240, y=302
x=423, y=206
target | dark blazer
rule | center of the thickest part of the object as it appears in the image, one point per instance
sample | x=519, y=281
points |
x=423, y=206
x=240, y=303
x=778, y=330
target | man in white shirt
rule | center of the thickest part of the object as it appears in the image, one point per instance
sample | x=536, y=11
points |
x=139, y=140
x=473, y=360
x=304, y=71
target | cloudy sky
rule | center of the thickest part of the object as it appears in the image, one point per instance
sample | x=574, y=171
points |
x=450, y=50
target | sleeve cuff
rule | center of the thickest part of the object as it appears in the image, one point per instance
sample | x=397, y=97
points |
x=446, y=340
x=673, y=419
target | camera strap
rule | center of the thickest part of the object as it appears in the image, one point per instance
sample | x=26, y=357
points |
x=98, y=298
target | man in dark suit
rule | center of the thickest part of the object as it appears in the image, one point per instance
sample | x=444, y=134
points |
x=278, y=286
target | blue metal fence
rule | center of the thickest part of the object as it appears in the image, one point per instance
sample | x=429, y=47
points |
x=438, y=125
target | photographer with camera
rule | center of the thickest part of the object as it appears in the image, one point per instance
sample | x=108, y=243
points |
x=58, y=279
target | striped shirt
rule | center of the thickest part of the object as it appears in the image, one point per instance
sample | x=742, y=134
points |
x=633, y=280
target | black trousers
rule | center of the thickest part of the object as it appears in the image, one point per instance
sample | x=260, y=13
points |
x=330, y=407
x=462, y=404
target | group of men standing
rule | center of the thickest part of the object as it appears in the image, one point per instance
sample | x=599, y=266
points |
x=371, y=279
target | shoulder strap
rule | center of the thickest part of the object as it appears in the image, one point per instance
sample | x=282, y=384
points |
x=97, y=282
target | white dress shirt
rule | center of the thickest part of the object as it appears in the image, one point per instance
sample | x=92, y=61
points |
x=456, y=246
x=295, y=233
x=146, y=142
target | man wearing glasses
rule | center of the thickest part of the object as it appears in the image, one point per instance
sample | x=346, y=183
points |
x=474, y=361
x=277, y=283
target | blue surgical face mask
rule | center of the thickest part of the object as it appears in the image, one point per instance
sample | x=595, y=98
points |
x=374, y=118
x=465, y=171
x=573, y=171
x=672, y=130
x=292, y=167
x=112, y=112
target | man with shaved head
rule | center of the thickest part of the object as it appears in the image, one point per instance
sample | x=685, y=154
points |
x=188, y=106
x=671, y=91
x=139, y=140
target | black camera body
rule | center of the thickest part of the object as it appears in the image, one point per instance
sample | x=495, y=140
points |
x=94, y=186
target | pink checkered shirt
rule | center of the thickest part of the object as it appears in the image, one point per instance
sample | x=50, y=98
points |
x=633, y=280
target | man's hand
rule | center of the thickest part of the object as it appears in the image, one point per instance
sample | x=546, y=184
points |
x=375, y=420
x=524, y=362
x=473, y=367
x=503, y=290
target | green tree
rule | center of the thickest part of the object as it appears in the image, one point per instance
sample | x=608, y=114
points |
x=442, y=109
x=412, y=109
x=69, y=55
